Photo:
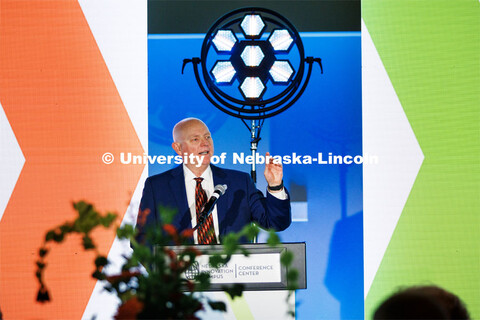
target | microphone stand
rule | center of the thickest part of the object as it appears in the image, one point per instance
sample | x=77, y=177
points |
x=255, y=129
x=253, y=147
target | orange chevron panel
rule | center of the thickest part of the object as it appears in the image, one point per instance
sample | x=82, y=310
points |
x=65, y=111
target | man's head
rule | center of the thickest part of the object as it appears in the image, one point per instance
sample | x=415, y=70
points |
x=191, y=136
x=422, y=302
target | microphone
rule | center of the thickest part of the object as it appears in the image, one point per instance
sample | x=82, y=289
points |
x=208, y=208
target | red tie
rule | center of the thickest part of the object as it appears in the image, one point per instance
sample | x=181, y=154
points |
x=206, y=232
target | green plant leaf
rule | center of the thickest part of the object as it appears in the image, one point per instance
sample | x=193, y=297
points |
x=203, y=281
x=234, y=291
x=230, y=243
x=98, y=275
x=251, y=231
x=131, y=262
x=66, y=228
x=142, y=253
x=42, y=295
x=101, y=261
x=88, y=243
x=83, y=208
x=58, y=237
x=108, y=219
x=42, y=252
x=126, y=232
x=217, y=260
x=49, y=236
x=218, y=305
x=245, y=252
x=167, y=214
x=286, y=258
x=292, y=275
x=273, y=239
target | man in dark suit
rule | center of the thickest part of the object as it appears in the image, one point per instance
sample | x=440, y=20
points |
x=241, y=204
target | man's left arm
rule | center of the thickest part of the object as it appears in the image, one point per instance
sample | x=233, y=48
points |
x=274, y=176
x=276, y=205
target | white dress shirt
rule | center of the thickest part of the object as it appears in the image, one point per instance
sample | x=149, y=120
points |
x=207, y=185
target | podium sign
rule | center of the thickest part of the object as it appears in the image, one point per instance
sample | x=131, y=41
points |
x=256, y=268
x=261, y=270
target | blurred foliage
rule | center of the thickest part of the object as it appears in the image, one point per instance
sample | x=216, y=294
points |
x=161, y=291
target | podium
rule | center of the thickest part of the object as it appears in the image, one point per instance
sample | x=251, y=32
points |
x=260, y=271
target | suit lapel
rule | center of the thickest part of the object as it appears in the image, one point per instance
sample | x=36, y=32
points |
x=177, y=184
x=219, y=177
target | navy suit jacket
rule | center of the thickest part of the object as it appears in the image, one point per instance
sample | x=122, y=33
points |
x=241, y=204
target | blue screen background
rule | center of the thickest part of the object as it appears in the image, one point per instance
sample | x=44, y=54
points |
x=326, y=199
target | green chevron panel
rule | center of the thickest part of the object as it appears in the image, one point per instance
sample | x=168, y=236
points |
x=431, y=51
